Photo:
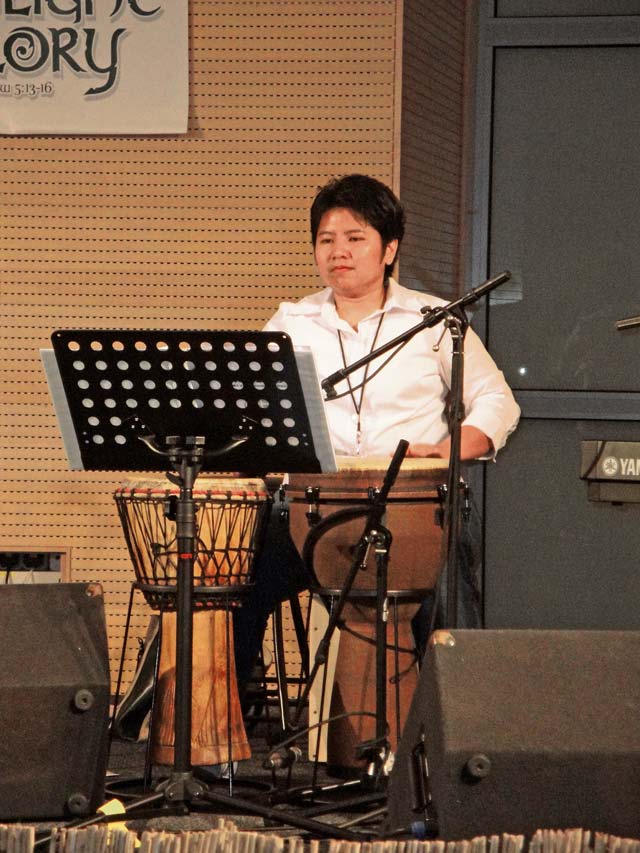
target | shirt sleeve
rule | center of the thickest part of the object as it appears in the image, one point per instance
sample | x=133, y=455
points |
x=277, y=323
x=283, y=320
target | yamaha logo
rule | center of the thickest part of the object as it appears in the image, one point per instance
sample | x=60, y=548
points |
x=610, y=466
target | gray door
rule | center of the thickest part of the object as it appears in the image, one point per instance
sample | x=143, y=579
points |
x=558, y=194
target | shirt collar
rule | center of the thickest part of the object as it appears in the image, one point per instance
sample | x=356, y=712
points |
x=402, y=298
x=321, y=303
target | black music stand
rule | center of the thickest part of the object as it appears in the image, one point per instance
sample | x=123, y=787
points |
x=120, y=394
x=186, y=402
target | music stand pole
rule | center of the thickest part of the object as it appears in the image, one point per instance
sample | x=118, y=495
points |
x=186, y=460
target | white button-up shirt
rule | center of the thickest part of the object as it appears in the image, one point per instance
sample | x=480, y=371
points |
x=407, y=399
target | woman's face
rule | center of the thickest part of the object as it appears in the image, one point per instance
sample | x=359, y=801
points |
x=349, y=254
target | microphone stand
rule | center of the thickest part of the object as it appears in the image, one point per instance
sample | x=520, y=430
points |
x=458, y=328
x=376, y=751
x=628, y=323
x=432, y=316
x=457, y=325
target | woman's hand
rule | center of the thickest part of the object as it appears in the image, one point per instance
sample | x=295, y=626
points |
x=473, y=444
x=428, y=450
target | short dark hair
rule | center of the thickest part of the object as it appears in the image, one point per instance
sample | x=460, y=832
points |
x=370, y=199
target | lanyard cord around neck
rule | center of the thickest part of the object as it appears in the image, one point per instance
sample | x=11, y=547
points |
x=357, y=404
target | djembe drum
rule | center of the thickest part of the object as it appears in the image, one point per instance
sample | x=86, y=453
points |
x=328, y=513
x=231, y=515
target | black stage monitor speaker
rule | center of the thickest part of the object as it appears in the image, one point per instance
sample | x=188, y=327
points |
x=54, y=700
x=522, y=730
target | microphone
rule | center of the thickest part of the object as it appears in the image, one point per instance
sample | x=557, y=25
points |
x=472, y=296
x=490, y=284
x=280, y=759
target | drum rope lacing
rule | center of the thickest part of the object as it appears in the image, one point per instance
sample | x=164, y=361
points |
x=230, y=523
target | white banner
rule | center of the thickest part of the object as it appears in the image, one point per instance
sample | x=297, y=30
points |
x=94, y=66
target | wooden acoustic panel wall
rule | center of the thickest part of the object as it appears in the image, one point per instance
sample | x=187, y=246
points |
x=433, y=143
x=204, y=230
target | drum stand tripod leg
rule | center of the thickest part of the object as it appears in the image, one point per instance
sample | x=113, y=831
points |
x=140, y=689
x=301, y=635
x=148, y=760
x=280, y=656
x=281, y=673
x=116, y=700
x=282, y=681
x=229, y=663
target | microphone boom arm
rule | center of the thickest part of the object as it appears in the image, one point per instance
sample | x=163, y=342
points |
x=432, y=317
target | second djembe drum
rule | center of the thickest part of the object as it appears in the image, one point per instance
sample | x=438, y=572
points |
x=328, y=513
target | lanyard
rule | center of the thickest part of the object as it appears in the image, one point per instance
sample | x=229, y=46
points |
x=357, y=404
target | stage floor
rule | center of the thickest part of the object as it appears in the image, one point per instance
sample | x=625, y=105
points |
x=294, y=795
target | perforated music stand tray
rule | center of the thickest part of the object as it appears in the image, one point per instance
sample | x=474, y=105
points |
x=112, y=388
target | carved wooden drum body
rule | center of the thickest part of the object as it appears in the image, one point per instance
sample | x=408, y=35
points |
x=337, y=505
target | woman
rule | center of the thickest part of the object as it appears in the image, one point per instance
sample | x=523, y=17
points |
x=357, y=225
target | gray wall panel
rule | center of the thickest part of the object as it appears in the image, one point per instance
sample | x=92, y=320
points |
x=554, y=559
x=565, y=216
